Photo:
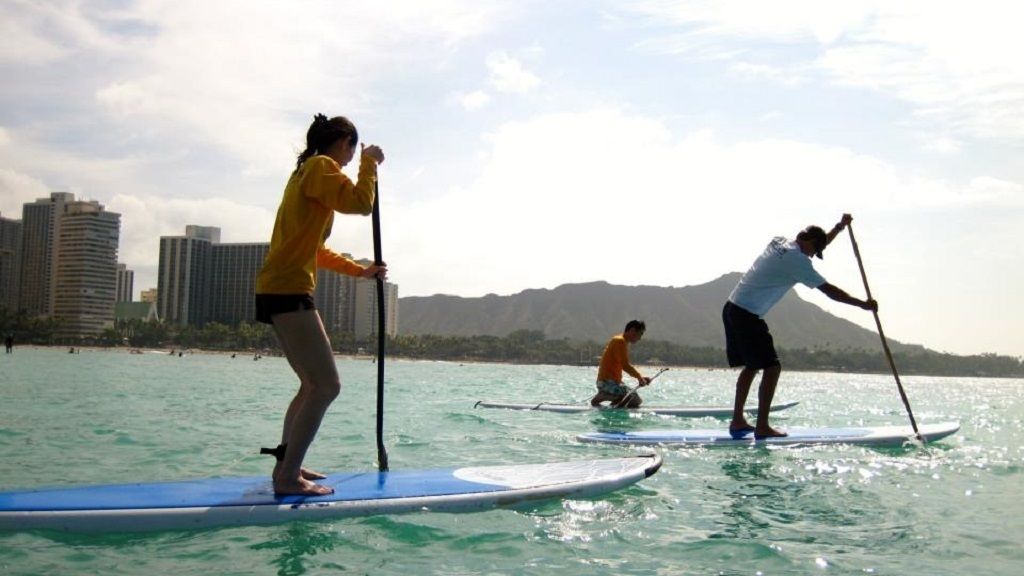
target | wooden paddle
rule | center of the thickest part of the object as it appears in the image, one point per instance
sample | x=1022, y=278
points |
x=633, y=390
x=881, y=334
x=382, y=453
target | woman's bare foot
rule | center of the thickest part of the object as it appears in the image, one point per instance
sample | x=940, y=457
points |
x=768, y=432
x=310, y=474
x=305, y=473
x=301, y=487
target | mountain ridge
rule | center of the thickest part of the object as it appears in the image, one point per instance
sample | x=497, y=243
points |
x=688, y=315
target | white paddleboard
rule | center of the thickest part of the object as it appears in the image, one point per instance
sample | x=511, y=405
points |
x=876, y=435
x=689, y=411
x=249, y=501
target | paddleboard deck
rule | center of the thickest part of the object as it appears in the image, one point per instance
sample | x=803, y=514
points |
x=687, y=411
x=873, y=435
x=247, y=501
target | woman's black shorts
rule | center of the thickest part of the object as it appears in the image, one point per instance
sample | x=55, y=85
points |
x=747, y=340
x=268, y=305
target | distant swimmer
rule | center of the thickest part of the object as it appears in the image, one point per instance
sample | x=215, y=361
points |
x=9, y=343
x=747, y=340
x=285, y=286
x=614, y=362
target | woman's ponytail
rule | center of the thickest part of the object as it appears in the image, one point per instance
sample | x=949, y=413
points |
x=323, y=133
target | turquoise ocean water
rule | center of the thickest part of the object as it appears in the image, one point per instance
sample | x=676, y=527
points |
x=955, y=507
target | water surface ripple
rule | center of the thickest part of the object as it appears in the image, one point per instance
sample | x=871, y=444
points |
x=954, y=507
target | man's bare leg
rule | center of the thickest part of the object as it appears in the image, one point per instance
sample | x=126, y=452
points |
x=631, y=400
x=603, y=397
x=769, y=380
x=739, y=420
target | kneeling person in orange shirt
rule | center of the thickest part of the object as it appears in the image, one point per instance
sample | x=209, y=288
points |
x=614, y=362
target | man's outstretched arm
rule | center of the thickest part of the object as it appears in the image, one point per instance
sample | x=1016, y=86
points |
x=837, y=294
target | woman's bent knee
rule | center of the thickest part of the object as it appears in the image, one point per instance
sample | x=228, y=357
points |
x=324, y=391
x=330, y=390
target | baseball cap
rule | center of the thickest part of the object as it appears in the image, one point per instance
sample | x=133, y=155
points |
x=816, y=235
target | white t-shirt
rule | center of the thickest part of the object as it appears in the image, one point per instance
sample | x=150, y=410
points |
x=775, y=271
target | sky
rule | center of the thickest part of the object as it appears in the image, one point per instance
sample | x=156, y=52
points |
x=531, y=144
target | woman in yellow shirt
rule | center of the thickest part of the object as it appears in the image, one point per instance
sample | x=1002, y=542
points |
x=286, y=283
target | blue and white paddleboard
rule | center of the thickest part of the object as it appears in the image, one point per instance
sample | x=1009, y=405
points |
x=689, y=411
x=876, y=435
x=251, y=500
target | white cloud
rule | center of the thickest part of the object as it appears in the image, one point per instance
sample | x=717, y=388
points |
x=37, y=33
x=989, y=190
x=145, y=218
x=19, y=45
x=602, y=194
x=176, y=113
x=474, y=100
x=956, y=63
x=235, y=75
x=149, y=208
x=780, y=21
x=508, y=74
x=758, y=72
x=181, y=82
x=66, y=169
x=943, y=145
x=16, y=189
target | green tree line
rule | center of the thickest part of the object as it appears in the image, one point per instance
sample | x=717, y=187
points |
x=531, y=346
x=521, y=346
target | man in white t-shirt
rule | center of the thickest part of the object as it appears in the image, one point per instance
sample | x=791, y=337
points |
x=748, y=342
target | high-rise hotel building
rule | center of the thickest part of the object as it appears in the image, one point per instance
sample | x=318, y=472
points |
x=125, y=283
x=333, y=299
x=201, y=280
x=363, y=307
x=10, y=263
x=233, y=270
x=86, y=278
x=68, y=263
x=40, y=224
x=183, y=276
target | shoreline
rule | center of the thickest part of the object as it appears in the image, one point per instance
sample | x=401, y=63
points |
x=168, y=351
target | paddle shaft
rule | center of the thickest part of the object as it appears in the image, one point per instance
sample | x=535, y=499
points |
x=633, y=390
x=881, y=334
x=382, y=453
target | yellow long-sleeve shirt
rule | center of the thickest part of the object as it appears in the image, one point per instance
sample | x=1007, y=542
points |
x=614, y=360
x=314, y=192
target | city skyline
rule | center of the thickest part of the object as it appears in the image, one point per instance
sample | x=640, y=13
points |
x=203, y=280
x=649, y=143
x=60, y=261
